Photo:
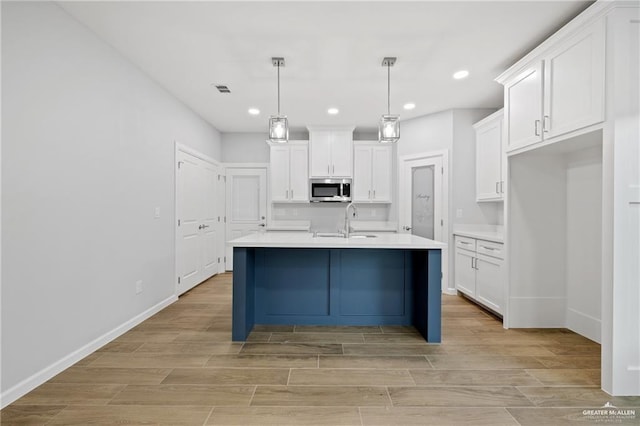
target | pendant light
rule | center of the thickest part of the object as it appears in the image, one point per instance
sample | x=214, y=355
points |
x=278, y=124
x=389, y=128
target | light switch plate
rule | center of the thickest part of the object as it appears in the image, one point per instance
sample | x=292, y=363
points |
x=459, y=213
x=157, y=212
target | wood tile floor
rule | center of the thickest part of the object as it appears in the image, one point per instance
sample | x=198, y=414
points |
x=181, y=368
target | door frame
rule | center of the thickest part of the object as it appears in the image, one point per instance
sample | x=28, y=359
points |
x=180, y=147
x=447, y=237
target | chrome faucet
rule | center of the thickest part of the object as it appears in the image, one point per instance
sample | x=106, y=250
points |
x=347, y=224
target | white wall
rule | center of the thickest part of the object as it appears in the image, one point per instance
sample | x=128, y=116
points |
x=537, y=240
x=584, y=241
x=245, y=147
x=88, y=154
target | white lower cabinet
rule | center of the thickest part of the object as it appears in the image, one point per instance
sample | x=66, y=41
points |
x=479, y=271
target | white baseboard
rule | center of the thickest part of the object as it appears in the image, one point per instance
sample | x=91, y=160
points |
x=537, y=312
x=30, y=383
x=450, y=291
x=584, y=324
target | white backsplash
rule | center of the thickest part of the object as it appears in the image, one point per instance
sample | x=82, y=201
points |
x=328, y=217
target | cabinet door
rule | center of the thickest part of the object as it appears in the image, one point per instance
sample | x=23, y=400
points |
x=299, y=173
x=381, y=173
x=362, y=173
x=342, y=154
x=523, y=108
x=488, y=161
x=574, y=83
x=319, y=153
x=490, y=282
x=465, y=274
x=279, y=173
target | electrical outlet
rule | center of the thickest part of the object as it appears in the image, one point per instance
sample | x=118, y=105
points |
x=459, y=213
x=157, y=212
x=139, y=287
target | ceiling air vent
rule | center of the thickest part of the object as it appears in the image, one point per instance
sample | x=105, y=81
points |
x=222, y=89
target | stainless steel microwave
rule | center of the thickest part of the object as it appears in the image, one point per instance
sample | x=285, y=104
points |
x=330, y=190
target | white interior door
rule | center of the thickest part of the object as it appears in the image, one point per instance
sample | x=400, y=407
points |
x=246, y=204
x=423, y=201
x=421, y=198
x=197, y=236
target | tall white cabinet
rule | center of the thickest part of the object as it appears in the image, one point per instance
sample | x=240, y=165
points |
x=372, y=172
x=489, y=161
x=289, y=177
x=330, y=152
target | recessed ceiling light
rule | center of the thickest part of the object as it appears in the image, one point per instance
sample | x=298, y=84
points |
x=333, y=111
x=254, y=111
x=409, y=105
x=459, y=75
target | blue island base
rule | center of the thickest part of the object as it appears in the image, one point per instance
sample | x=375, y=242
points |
x=314, y=286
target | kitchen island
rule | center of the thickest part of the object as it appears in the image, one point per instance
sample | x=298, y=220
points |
x=299, y=279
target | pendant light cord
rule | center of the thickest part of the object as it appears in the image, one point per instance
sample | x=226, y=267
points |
x=388, y=88
x=278, y=89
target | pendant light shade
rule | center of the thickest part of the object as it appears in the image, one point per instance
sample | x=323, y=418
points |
x=389, y=127
x=278, y=124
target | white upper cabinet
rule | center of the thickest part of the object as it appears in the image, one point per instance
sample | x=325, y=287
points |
x=523, y=106
x=372, y=172
x=289, y=179
x=574, y=82
x=331, y=152
x=560, y=91
x=489, y=176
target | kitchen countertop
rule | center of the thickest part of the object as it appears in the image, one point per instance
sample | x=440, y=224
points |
x=481, y=234
x=307, y=240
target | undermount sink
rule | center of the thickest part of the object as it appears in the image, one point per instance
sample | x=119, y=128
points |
x=363, y=236
x=328, y=235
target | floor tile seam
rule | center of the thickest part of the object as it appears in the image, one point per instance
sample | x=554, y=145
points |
x=52, y=417
x=206, y=420
x=253, y=394
x=386, y=388
x=360, y=416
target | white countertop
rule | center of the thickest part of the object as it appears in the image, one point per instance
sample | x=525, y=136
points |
x=307, y=240
x=482, y=234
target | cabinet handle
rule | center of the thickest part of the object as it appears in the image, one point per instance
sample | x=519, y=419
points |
x=545, y=128
x=328, y=169
x=369, y=194
x=536, y=128
x=497, y=190
x=286, y=194
x=374, y=194
x=502, y=187
x=334, y=170
x=488, y=248
x=465, y=243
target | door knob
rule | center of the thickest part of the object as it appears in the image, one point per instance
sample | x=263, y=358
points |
x=262, y=224
x=406, y=228
x=205, y=226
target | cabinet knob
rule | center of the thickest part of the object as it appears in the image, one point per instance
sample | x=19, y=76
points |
x=406, y=228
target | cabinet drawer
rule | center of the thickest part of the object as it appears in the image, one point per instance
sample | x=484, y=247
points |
x=465, y=243
x=490, y=248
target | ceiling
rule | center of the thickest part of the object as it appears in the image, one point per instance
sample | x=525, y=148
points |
x=333, y=53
